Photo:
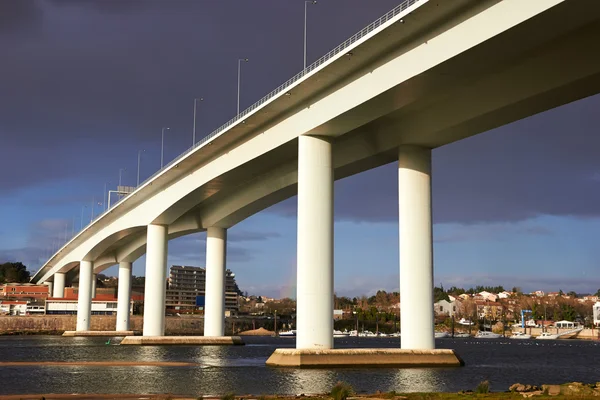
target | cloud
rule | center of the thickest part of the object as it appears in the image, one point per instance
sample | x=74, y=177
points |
x=45, y=237
x=544, y=165
x=246, y=236
x=19, y=16
x=191, y=249
x=527, y=283
x=496, y=231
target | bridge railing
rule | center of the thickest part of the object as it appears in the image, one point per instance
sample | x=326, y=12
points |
x=290, y=82
x=284, y=87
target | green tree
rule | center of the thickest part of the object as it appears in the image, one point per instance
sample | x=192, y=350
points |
x=439, y=294
x=572, y=294
x=568, y=312
x=597, y=293
x=13, y=272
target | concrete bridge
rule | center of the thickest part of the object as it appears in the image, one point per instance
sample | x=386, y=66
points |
x=426, y=74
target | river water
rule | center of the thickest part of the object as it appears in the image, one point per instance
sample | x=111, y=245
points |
x=242, y=370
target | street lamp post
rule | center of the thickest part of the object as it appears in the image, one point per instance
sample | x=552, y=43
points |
x=162, y=146
x=121, y=170
x=306, y=2
x=138, y=170
x=105, y=195
x=92, y=214
x=239, y=78
x=194, y=129
x=81, y=220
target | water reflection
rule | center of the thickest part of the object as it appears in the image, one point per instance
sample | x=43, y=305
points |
x=306, y=381
x=214, y=356
x=241, y=369
x=152, y=353
x=417, y=380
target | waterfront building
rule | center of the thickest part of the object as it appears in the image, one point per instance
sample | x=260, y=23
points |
x=186, y=290
x=596, y=311
x=69, y=307
x=445, y=307
x=23, y=291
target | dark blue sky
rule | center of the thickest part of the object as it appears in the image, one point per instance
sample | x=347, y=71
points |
x=85, y=84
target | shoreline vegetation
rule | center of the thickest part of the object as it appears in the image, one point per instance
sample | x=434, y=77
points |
x=343, y=391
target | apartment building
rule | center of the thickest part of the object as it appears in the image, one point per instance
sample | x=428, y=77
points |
x=186, y=290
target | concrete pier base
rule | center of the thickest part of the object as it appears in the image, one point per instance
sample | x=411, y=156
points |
x=98, y=333
x=326, y=358
x=182, y=340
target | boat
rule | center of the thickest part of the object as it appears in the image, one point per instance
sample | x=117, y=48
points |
x=547, y=336
x=463, y=321
x=461, y=335
x=353, y=333
x=439, y=335
x=340, y=334
x=487, y=335
x=520, y=335
x=287, y=333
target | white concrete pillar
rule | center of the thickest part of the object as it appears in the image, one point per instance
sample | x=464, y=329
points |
x=124, y=296
x=156, y=280
x=416, y=248
x=50, y=287
x=84, y=298
x=94, y=279
x=315, y=244
x=58, y=289
x=214, y=307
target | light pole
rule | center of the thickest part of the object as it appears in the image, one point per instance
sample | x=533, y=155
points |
x=93, y=204
x=138, y=171
x=81, y=220
x=194, y=130
x=162, y=146
x=105, y=195
x=306, y=2
x=121, y=170
x=239, y=77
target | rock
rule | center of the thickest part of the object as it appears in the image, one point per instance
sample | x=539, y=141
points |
x=517, y=387
x=551, y=390
x=533, y=393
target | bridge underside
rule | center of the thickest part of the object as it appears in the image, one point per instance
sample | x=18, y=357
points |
x=543, y=62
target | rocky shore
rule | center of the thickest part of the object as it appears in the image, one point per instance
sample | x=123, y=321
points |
x=573, y=390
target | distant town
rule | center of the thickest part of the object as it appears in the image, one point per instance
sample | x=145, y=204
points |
x=185, y=295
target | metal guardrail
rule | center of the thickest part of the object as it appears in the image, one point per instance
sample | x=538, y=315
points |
x=284, y=87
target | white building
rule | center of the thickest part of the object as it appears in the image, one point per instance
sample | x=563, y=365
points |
x=596, y=309
x=69, y=306
x=487, y=296
x=445, y=307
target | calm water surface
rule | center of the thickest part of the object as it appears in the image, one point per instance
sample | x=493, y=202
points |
x=241, y=369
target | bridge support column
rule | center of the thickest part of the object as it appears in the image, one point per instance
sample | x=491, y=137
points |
x=94, y=279
x=416, y=248
x=156, y=280
x=214, y=309
x=124, y=296
x=315, y=244
x=58, y=289
x=84, y=298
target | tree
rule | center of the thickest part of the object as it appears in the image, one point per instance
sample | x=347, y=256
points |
x=572, y=294
x=597, y=293
x=13, y=272
x=439, y=294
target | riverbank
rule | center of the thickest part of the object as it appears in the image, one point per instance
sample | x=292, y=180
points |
x=557, y=392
